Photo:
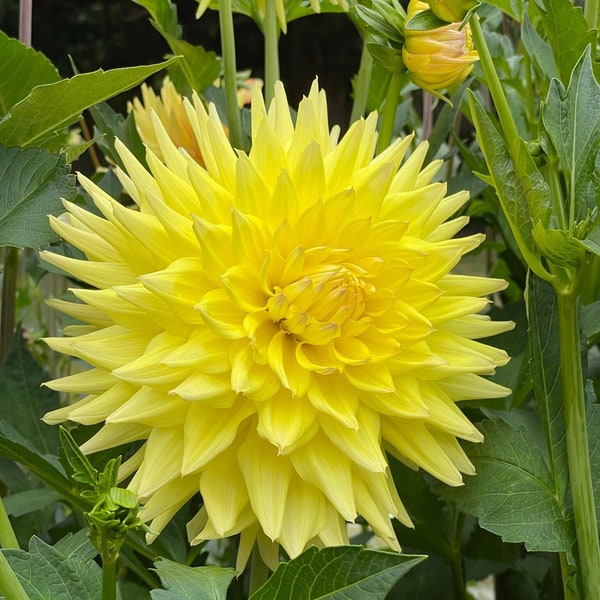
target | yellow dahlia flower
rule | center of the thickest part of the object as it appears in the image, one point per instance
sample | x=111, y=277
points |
x=169, y=108
x=270, y=325
x=437, y=58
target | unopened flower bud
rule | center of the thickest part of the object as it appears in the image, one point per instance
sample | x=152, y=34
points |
x=452, y=11
x=437, y=58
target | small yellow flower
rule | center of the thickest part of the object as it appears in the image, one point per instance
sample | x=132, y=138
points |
x=271, y=324
x=437, y=58
x=171, y=112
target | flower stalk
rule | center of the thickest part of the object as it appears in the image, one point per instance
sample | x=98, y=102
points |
x=229, y=66
x=577, y=445
x=8, y=539
x=388, y=118
x=493, y=82
x=9, y=290
x=363, y=80
x=10, y=586
x=271, y=33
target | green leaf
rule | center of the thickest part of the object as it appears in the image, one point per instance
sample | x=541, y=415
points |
x=72, y=153
x=571, y=118
x=521, y=189
x=590, y=319
x=47, y=468
x=194, y=583
x=198, y=69
x=83, y=471
x=566, y=31
x=374, y=22
x=342, y=573
x=164, y=13
x=29, y=501
x=593, y=427
x=21, y=69
x=513, y=493
x=46, y=573
x=546, y=377
x=33, y=182
x=24, y=401
x=49, y=108
x=539, y=51
x=77, y=544
x=114, y=126
x=559, y=246
x=424, y=21
x=386, y=57
x=512, y=8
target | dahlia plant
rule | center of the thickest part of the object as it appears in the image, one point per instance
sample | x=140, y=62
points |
x=252, y=352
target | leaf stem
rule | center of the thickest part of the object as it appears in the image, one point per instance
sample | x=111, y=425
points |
x=388, y=118
x=362, y=83
x=229, y=66
x=271, y=33
x=8, y=539
x=9, y=290
x=577, y=445
x=10, y=586
x=493, y=82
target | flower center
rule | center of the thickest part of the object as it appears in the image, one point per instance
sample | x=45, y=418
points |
x=315, y=307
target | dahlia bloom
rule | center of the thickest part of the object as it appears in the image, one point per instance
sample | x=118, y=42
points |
x=437, y=58
x=169, y=108
x=269, y=325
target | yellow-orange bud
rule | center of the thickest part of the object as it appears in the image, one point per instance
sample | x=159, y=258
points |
x=437, y=58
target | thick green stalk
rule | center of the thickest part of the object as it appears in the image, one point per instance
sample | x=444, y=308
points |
x=362, y=83
x=9, y=290
x=493, y=82
x=577, y=445
x=388, y=118
x=10, y=586
x=271, y=33
x=229, y=67
x=109, y=579
x=8, y=539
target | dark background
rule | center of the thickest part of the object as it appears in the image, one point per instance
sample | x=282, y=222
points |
x=117, y=33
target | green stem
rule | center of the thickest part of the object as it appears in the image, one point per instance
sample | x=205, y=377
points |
x=109, y=579
x=460, y=586
x=229, y=67
x=8, y=539
x=259, y=572
x=9, y=290
x=10, y=586
x=388, y=118
x=271, y=33
x=362, y=83
x=565, y=573
x=577, y=445
x=493, y=82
